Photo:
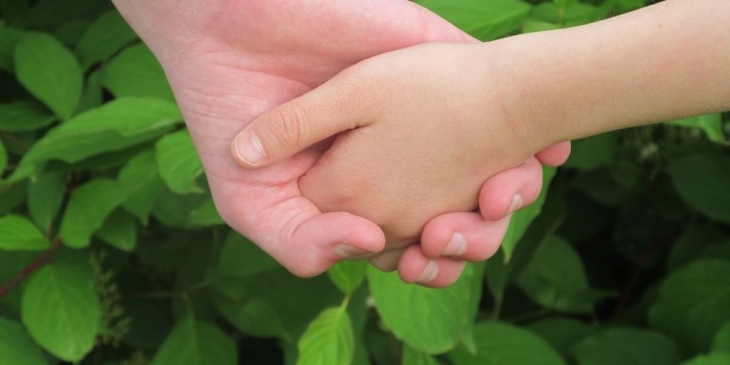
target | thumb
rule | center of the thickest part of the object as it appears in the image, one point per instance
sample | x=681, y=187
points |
x=296, y=125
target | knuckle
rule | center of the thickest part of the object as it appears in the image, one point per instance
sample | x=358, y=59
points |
x=288, y=127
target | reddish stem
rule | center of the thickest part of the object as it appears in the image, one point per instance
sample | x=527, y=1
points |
x=30, y=269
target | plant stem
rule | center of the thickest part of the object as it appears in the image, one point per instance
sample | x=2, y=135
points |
x=31, y=268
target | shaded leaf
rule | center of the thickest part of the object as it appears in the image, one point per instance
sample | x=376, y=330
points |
x=328, y=339
x=702, y=181
x=87, y=209
x=348, y=275
x=24, y=115
x=561, y=333
x=52, y=13
x=484, y=20
x=105, y=36
x=711, y=359
x=9, y=38
x=592, y=152
x=412, y=356
x=136, y=72
x=61, y=310
x=141, y=178
x=45, y=196
x=504, y=344
x=50, y=72
x=114, y=126
x=18, y=233
x=119, y=230
x=241, y=257
x=722, y=339
x=693, y=304
x=627, y=346
x=194, y=342
x=206, y=215
x=16, y=347
x=692, y=243
x=178, y=162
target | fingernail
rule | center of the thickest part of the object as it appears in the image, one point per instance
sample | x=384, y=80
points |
x=348, y=252
x=429, y=273
x=516, y=203
x=456, y=246
x=249, y=148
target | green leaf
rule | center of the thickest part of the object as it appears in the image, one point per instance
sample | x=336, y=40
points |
x=15, y=13
x=532, y=26
x=141, y=178
x=52, y=13
x=116, y=125
x=178, y=162
x=104, y=37
x=561, y=333
x=702, y=181
x=206, y=215
x=692, y=243
x=61, y=310
x=70, y=33
x=23, y=116
x=3, y=158
x=348, y=275
x=711, y=124
x=693, y=304
x=50, y=72
x=328, y=339
x=19, y=234
x=556, y=279
x=136, y=72
x=16, y=347
x=430, y=320
x=522, y=218
x=484, y=20
x=412, y=356
x=45, y=196
x=592, y=152
x=194, y=342
x=711, y=359
x=241, y=257
x=627, y=347
x=722, y=339
x=87, y=209
x=501, y=343
x=9, y=38
x=119, y=230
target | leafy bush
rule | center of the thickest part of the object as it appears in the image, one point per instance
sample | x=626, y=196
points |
x=111, y=251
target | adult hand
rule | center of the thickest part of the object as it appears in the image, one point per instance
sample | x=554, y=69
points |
x=230, y=61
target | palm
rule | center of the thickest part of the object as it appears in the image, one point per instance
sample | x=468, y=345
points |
x=233, y=60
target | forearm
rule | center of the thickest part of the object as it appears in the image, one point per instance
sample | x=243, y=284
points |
x=663, y=62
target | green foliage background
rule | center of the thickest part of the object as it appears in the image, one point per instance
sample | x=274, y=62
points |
x=111, y=251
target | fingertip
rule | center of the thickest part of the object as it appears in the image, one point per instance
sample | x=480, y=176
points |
x=462, y=235
x=416, y=268
x=247, y=150
x=511, y=190
x=555, y=155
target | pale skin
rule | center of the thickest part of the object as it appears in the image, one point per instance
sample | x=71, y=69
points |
x=230, y=61
x=502, y=102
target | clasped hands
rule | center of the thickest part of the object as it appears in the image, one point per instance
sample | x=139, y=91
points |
x=407, y=166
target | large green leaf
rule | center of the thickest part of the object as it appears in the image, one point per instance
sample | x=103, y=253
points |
x=693, y=304
x=61, y=310
x=692, y=243
x=141, y=178
x=87, y=209
x=136, y=72
x=522, y=218
x=412, y=356
x=561, y=333
x=18, y=233
x=24, y=115
x=119, y=230
x=9, y=38
x=328, y=339
x=348, y=275
x=50, y=72
x=485, y=20
x=116, y=125
x=430, y=320
x=16, y=347
x=194, y=342
x=503, y=344
x=711, y=124
x=178, y=162
x=556, y=278
x=627, y=346
x=45, y=196
x=105, y=36
x=702, y=180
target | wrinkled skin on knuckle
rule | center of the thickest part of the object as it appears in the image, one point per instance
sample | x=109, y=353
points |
x=288, y=125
